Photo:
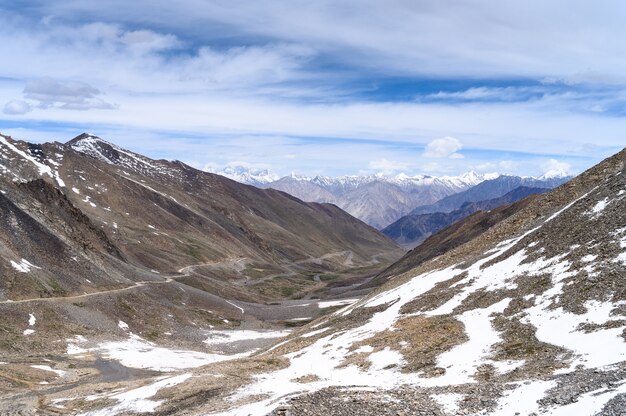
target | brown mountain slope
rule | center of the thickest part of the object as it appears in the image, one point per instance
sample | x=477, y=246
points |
x=451, y=237
x=121, y=211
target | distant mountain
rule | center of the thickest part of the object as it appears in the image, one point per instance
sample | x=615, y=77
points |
x=412, y=229
x=378, y=199
x=248, y=175
x=489, y=189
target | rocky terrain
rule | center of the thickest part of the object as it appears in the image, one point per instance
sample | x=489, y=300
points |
x=412, y=229
x=451, y=237
x=527, y=318
x=91, y=208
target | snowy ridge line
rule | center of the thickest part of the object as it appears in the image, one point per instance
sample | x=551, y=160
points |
x=42, y=168
x=89, y=145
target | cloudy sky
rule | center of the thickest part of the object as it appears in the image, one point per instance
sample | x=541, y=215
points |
x=323, y=87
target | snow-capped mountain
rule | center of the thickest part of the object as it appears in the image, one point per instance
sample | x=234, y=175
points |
x=376, y=199
x=488, y=189
x=412, y=229
x=248, y=175
x=380, y=199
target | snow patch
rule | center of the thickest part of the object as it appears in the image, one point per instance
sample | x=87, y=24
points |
x=385, y=358
x=137, y=400
x=461, y=361
x=523, y=398
x=333, y=303
x=449, y=402
x=136, y=352
x=227, y=337
x=59, y=373
x=599, y=206
x=559, y=327
x=23, y=266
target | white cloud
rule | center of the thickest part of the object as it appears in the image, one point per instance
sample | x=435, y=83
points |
x=478, y=38
x=597, y=108
x=444, y=147
x=47, y=92
x=15, y=107
x=486, y=93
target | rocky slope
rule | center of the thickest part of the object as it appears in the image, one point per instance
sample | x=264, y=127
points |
x=412, y=229
x=89, y=201
x=92, y=234
x=451, y=237
x=527, y=318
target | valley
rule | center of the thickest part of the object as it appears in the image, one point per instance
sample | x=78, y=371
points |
x=145, y=286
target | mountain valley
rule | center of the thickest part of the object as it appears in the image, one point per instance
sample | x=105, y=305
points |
x=134, y=285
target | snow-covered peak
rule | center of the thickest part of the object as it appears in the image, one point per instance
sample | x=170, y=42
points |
x=92, y=145
x=491, y=176
x=555, y=174
x=88, y=143
x=255, y=176
x=247, y=174
x=97, y=148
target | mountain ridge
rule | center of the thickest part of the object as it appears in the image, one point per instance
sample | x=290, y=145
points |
x=163, y=216
x=380, y=199
x=412, y=229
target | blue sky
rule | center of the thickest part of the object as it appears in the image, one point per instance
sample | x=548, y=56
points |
x=324, y=87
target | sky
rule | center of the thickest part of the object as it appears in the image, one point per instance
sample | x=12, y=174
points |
x=328, y=87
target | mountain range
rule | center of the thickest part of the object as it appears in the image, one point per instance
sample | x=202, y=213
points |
x=489, y=189
x=380, y=200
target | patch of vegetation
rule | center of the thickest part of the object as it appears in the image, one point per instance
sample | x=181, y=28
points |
x=56, y=287
x=420, y=340
x=287, y=291
x=328, y=277
x=152, y=335
x=195, y=251
x=296, y=324
x=121, y=304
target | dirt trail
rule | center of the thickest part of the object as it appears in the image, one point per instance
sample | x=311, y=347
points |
x=185, y=271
